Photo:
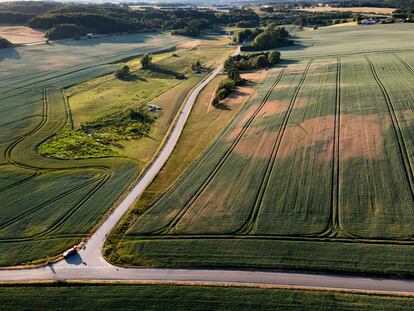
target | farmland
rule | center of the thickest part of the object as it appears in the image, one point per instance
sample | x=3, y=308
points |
x=50, y=204
x=78, y=296
x=21, y=34
x=315, y=171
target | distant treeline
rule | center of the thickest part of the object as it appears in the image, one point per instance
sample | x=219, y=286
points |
x=113, y=18
x=22, y=11
x=270, y=38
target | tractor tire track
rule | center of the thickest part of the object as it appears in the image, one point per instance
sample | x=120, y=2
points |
x=19, y=183
x=406, y=65
x=46, y=203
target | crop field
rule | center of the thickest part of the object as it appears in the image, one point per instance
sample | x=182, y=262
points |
x=158, y=297
x=315, y=172
x=21, y=34
x=48, y=204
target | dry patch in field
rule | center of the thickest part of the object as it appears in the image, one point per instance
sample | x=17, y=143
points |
x=408, y=116
x=190, y=44
x=361, y=136
x=257, y=145
x=21, y=34
x=307, y=134
x=366, y=10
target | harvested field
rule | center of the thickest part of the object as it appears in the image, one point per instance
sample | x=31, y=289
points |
x=21, y=34
x=315, y=172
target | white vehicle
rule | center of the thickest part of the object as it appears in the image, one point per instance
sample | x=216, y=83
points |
x=69, y=252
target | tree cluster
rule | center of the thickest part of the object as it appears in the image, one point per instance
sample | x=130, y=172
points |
x=273, y=37
x=235, y=64
x=246, y=35
x=251, y=61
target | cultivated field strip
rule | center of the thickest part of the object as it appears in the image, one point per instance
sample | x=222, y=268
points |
x=288, y=205
x=375, y=186
x=251, y=220
x=150, y=220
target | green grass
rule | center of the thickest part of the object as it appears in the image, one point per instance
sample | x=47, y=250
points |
x=167, y=297
x=314, y=173
x=69, y=144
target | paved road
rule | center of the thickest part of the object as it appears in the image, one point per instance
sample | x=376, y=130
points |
x=89, y=264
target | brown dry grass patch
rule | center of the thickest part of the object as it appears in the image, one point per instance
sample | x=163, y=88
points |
x=361, y=136
x=308, y=134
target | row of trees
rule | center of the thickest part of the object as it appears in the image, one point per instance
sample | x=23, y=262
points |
x=235, y=64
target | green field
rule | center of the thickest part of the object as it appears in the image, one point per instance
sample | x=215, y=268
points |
x=168, y=297
x=49, y=204
x=314, y=172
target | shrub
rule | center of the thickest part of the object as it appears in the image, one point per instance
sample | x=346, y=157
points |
x=4, y=43
x=146, y=61
x=123, y=73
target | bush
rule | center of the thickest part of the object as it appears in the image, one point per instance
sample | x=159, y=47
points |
x=65, y=31
x=146, y=61
x=123, y=73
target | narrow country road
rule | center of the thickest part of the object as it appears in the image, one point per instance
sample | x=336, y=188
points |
x=89, y=264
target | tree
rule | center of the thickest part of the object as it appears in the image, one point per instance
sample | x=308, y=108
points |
x=146, y=61
x=273, y=57
x=123, y=73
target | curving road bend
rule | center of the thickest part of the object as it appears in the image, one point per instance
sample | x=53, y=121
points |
x=89, y=264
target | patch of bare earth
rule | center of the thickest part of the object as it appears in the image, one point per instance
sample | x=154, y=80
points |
x=361, y=136
x=258, y=144
x=306, y=134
